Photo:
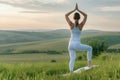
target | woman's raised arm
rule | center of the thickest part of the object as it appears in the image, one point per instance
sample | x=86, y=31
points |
x=68, y=20
x=85, y=18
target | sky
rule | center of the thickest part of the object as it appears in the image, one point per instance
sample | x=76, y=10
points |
x=49, y=14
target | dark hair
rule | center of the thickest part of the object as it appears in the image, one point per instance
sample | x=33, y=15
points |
x=76, y=17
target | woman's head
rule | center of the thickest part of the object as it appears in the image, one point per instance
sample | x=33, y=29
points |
x=76, y=16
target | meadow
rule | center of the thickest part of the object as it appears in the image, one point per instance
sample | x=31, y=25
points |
x=44, y=56
x=42, y=67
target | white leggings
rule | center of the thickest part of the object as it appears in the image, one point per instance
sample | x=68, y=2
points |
x=77, y=46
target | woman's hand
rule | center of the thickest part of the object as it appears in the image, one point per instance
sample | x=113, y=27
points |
x=84, y=14
x=76, y=7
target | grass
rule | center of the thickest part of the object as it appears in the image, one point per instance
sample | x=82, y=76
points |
x=36, y=57
x=59, y=45
x=117, y=46
x=109, y=68
x=114, y=48
x=47, y=45
x=36, y=66
x=22, y=36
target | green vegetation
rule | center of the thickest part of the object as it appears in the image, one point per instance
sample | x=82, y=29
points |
x=57, y=45
x=48, y=42
x=44, y=55
x=98, y=46
x=114, y=48
x=7, y=37
x=46, y=70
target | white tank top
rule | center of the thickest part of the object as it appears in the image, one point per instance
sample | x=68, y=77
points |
x=75, y=34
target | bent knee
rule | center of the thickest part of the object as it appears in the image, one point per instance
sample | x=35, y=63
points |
x=90, y=48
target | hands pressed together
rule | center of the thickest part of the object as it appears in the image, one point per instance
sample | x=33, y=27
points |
x=76, y=7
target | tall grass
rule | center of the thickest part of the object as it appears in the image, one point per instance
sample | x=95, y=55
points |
x=109, y=69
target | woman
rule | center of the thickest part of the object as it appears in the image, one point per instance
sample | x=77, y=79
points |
x=74, y=43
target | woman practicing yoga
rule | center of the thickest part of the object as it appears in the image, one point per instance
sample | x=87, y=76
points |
x=74, y=43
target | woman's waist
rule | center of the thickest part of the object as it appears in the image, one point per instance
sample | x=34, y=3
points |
x=74, y=39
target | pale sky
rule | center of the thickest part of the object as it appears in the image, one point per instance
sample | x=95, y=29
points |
x=49, y=14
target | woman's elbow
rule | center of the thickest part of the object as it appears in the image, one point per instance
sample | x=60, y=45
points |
x=85, y=15
x=66, y=15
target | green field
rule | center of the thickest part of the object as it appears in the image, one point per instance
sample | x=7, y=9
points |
x=117, y=46
x=39, y=67
x=44, y=56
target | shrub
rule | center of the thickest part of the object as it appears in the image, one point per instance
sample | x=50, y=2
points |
x=79, y=57
x=30, y=51
x=98, y=46
x=113, y=50
x=52, y=52
x=53, y=60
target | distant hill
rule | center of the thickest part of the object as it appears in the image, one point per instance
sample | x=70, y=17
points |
x=114, y=48
x=111, y=37
x=22, y=36
x=7, y=37
x=117, y=46
x=56, y=40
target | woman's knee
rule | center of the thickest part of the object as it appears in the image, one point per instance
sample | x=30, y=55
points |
x=90, y=48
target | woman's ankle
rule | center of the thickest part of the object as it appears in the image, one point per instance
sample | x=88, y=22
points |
x=89, y=64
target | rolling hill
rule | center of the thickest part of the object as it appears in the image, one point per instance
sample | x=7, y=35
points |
x=50, y=41
x=7, y=37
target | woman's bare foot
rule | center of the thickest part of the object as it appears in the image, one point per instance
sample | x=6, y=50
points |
x=89, y=64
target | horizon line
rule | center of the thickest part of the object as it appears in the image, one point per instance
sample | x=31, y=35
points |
x=42, y=30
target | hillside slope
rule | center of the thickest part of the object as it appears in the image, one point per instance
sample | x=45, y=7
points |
x=7, y=37
x=49, y=41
